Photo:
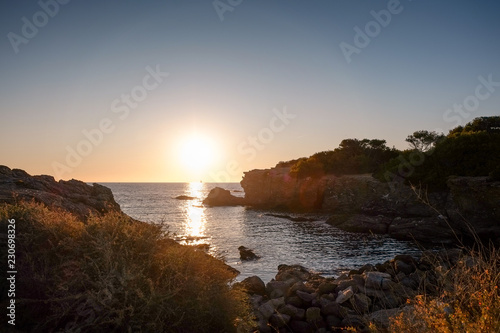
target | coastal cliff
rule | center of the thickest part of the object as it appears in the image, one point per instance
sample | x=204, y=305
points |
x=361, y=203
x=73, y=195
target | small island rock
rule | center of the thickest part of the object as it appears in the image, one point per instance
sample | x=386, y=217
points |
x=221, y=197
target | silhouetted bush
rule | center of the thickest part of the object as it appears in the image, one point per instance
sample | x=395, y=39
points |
x=353, y=156
x=472, y=150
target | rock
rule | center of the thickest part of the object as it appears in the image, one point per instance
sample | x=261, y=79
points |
x=255, y=300
x=388, y=301
x=267, y=309
x=221, y=197
x=366, y=268
x=362, y=223
x=378, y=280
x=289, y=310
x=372, y=292
x=275, y=188
x=407, y=259
x=279, y=320
x=404, y=267
x=360, y=303
x=313, y=315
x=354, y=320
x=277, y=289
x=293, y=272
x=410, y=282
x=278, y=302
x=330, y=308
x=361, y=203
x=184, y=197
x=359, y=280
x=298, y=286
x=381, y=317
x=298, y=326
x=254, y=285
x=344, y=295
x=475, y=200
x=291, y=218
x=423, y=229
x=346, y=284
x=74, y=196
x=247, y=254
x=333, y=321
x=295, y=301
x=305, y=296
x=326, y=287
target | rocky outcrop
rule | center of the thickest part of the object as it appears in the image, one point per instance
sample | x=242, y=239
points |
x=474, y=202
x=301, y=301
x=360, y=203
x=275, y=188
x=247, y=254
x=221, y=197
x=74, y=196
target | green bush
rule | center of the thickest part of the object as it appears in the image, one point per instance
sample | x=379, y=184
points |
x=114, y=274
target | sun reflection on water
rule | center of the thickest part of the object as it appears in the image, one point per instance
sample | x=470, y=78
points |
x=195, y=223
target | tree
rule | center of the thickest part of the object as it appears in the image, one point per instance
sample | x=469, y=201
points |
x=423, y=140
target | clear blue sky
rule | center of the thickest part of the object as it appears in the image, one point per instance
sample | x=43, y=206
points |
x=215, y=114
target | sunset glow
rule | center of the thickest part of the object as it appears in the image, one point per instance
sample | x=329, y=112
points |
x=197, y=153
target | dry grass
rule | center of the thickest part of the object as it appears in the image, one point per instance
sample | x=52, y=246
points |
x=467, y=298
x=112, y=274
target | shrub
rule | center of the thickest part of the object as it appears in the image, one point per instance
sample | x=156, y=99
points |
x=114, y=274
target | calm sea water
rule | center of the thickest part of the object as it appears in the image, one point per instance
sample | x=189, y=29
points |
x=315, y=245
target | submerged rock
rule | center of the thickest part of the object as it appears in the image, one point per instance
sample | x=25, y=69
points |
x=247, y=254
x=185, y=197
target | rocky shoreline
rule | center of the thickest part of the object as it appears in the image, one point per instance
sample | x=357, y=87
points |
x=73, y=195
x=360, y=203
x=301, y=301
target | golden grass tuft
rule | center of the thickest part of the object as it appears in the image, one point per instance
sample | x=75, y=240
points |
x=467, y=299
x=114, y=274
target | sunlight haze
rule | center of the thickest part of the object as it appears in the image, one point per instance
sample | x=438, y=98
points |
x=175, y=91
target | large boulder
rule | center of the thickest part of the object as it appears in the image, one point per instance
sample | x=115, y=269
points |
x=221, y=197
x=74, y=196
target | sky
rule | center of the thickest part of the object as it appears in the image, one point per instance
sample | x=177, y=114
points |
x=180, y=91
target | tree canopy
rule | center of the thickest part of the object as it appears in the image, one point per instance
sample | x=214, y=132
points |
x=470, y=150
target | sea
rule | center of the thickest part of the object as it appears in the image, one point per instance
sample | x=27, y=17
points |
x=315, y=245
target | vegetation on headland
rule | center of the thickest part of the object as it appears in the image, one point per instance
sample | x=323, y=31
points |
x=114, y=274
x=470, y=150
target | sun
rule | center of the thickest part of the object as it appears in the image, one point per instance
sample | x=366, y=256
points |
x=197, y=153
